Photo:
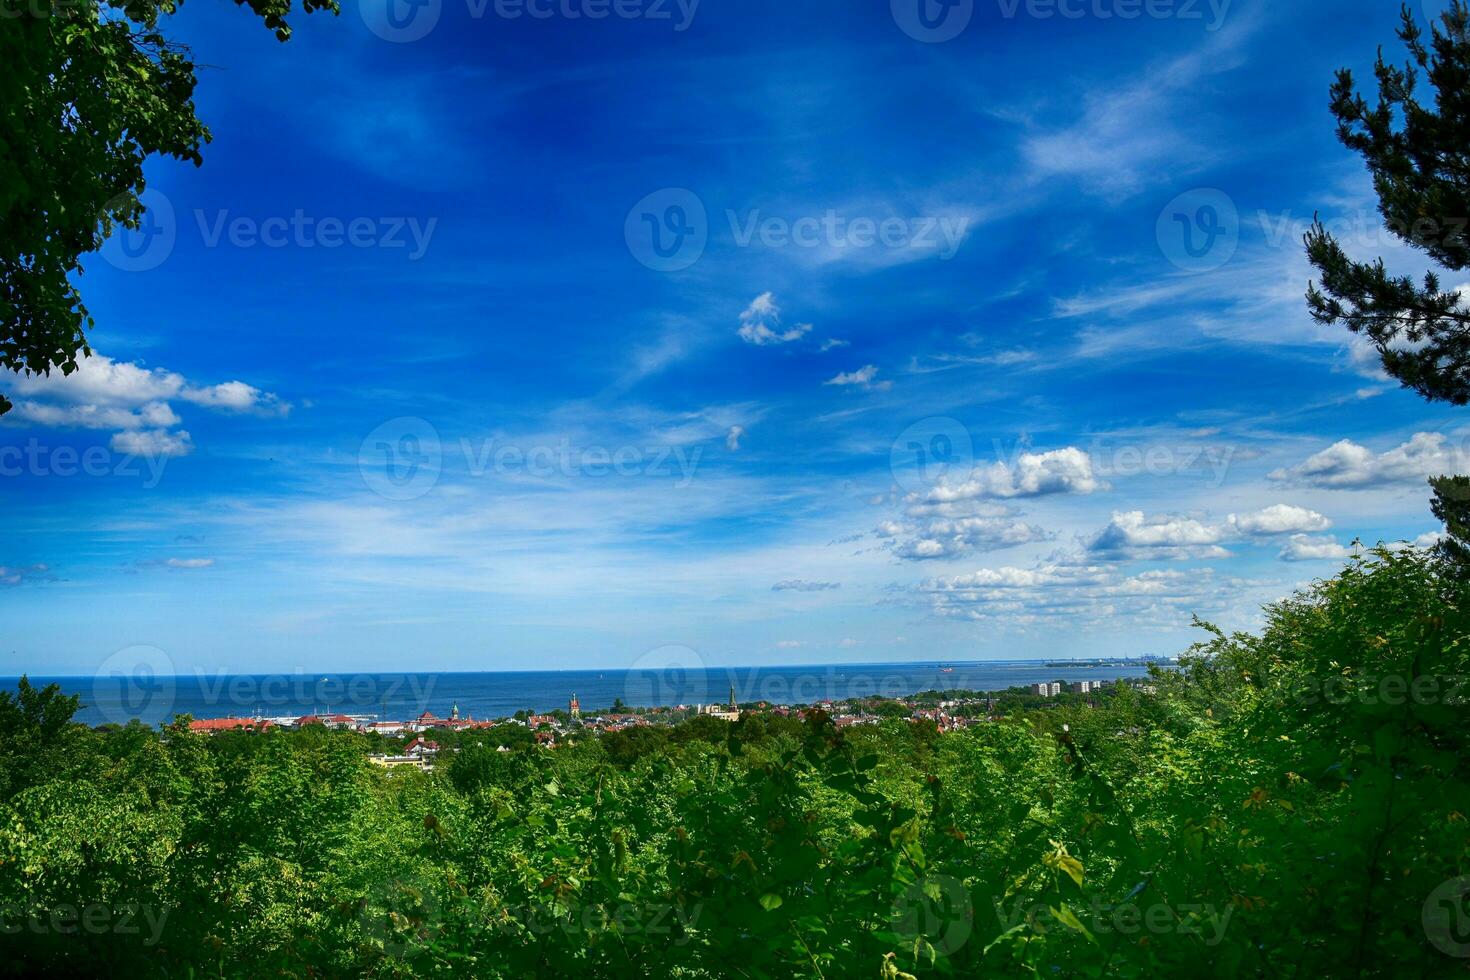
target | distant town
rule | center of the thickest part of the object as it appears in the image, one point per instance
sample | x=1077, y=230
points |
x=422, y=735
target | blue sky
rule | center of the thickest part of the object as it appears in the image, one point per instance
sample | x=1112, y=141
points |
x=486, y=341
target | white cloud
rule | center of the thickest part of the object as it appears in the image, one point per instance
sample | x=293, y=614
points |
x=1346, y=465
x=1127, y=136
x=188, y=563
x=152, y=443
x=733, y=437
x=1280, y=519
x=1014, y=597
x=862, y=377
x=831, y=343
x=1066, y=470
x=100, y=383
x=148, y=415
x=130, y=399
x=1303, y=547
x=802, y=585
x=236, y=396
x=760, y=324
x=1130, y=534
x=953, y=538
x=12, y=575
x=99, y=380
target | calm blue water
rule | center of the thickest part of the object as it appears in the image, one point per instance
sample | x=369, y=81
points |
x=119, y=697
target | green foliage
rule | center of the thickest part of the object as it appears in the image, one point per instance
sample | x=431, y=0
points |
x=91, y=89
x=1284, y=804
x=34, y=731
x=1416, y=153
x=1451, y=505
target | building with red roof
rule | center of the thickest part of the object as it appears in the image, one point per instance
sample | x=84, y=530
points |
x=212, y=725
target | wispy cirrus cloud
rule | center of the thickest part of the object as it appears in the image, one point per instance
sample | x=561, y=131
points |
x=863, y=378
x=760, y=323
x=804, y=585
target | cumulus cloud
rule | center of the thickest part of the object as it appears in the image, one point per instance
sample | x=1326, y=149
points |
x=130, y=399
x=1303, y=547
x=941, y=537
x=862, y=378
x=831, y=343
x=760, y=323
x=1280, y=519
x=1066, y=470
x=152, y=443
x=154, y=414
x=1346, y=465
x=802, y=585
x=953, y=520
x=1131, y=534
x=99, y=382
x=733, y=437
x=236, y=396
x=1061, y=592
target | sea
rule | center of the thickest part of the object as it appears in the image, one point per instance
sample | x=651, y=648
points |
x=119, y=697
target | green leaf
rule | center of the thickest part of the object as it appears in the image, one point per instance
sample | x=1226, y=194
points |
x=1069, y=919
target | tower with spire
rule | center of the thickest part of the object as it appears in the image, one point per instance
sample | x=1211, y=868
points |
x=574, y=707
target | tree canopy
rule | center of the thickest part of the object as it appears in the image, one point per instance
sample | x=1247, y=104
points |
x=1418, y=153
x=1288, y=803
x=91, y=90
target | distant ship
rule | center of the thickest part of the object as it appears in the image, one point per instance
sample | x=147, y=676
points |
x=946, y=670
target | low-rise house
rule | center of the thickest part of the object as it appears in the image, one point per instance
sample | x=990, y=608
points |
x=419, y=748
